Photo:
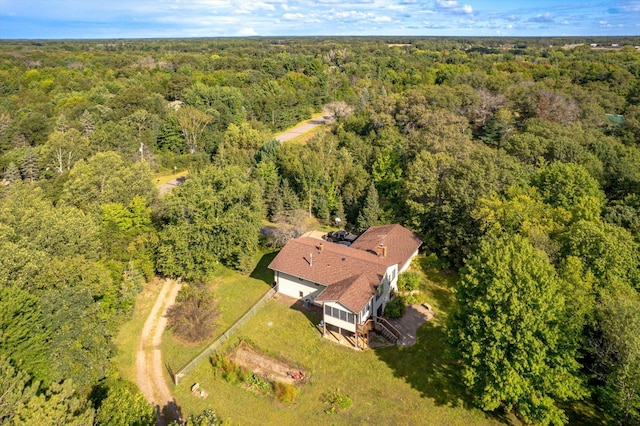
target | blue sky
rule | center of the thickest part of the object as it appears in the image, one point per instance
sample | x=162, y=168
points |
x=36, y=19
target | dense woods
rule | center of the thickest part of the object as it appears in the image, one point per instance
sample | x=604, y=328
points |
x=517, y=161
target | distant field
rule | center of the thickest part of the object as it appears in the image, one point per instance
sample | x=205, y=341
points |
x=163, y=178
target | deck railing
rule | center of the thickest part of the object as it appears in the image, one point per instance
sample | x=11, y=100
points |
x=386, y=324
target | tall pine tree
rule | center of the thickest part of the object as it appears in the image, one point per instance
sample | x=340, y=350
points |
x=370, y=213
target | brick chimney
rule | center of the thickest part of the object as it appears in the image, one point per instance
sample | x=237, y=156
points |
x=381, y=250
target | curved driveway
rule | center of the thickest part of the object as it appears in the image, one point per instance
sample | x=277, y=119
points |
x=304, y=127
x=301, y=128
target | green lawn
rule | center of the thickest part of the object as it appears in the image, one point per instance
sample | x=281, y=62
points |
x=162, y=178
x=395, y=385
x=388, y=386
x=235, y=293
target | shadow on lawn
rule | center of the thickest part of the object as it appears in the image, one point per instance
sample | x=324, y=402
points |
x=311, y=312
x=261, y=272
x=427, y=367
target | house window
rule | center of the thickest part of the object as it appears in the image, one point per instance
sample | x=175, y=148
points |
x=351, y=318
x=327, y=310
x=343, y=315
x=336, y=313
x=379, y=291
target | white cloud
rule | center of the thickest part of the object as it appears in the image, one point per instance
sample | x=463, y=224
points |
x=250, y=7
x=293, y=16
x=247, y=32
x=382, y=19
x=454, y=6
x=447, y=4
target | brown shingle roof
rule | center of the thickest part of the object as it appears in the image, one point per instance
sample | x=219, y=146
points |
x=399, y=241
x=351, y=274
x=354, y=292
x=302, y=258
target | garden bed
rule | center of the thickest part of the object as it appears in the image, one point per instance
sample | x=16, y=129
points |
x=272, y=369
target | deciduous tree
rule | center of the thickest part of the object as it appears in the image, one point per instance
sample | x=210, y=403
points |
x=510, y=332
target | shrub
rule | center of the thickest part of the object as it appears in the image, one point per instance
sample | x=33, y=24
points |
x=192, y=317
x=409, y=281
x=227, y=369
x=207, y=417
x=259, y=384
x=336, y=401
x=285, y=392
x=395, y=308
x=411, y=299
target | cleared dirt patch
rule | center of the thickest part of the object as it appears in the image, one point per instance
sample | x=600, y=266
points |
x=272, y=369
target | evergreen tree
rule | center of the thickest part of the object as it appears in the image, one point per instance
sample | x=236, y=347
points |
x=12, y=173
x=88, y=125
x=290, y=201
x=29, y=167
x=370, y=213
x=14, y=390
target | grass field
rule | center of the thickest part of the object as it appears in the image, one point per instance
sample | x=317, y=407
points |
x=394, y=385
x=162, y=178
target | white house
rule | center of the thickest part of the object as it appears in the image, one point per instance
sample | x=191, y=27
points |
x=351, y=284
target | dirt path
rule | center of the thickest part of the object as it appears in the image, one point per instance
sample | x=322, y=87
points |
x=304, y=127
x=265, y=366
x=149, y=366
x=167, y=187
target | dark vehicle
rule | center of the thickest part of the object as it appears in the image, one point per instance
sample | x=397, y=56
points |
x=341, y=236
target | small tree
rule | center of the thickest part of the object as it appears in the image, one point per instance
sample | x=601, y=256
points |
x=125, y=405
x=193, y=316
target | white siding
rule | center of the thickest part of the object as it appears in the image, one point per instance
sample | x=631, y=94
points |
x=392, y=277
x=366, y=311
x=406, y=265
x=292, y=286
x=336, y=321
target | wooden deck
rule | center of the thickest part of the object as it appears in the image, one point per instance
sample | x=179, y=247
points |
x=344, y=337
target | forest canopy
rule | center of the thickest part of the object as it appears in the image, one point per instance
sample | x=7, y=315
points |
x=516, y=160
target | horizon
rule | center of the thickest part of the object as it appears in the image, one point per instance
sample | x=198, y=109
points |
x=192, y=19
